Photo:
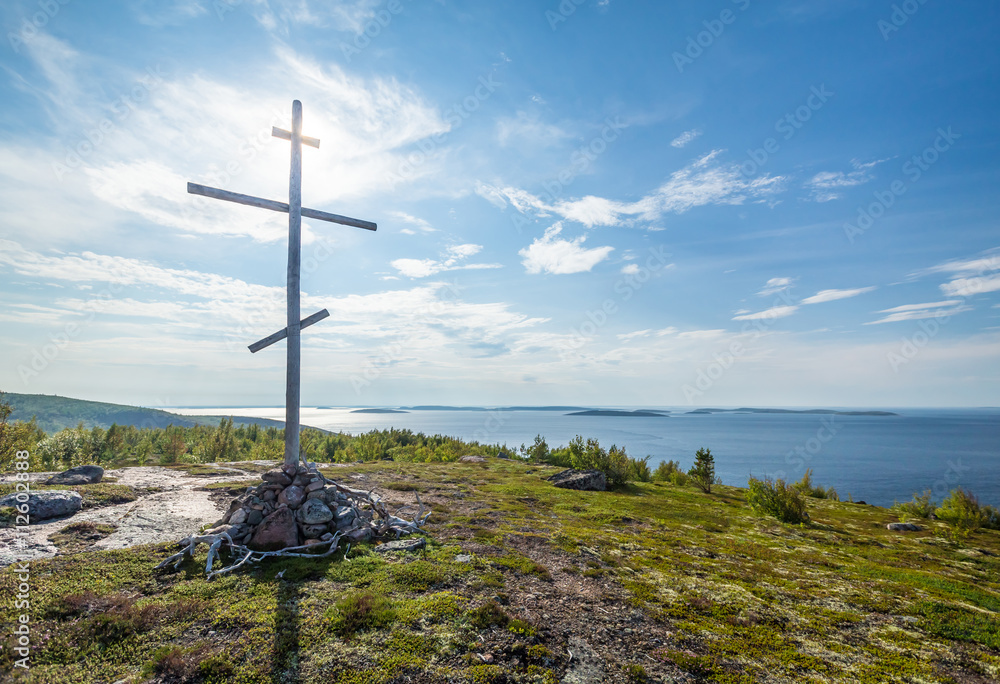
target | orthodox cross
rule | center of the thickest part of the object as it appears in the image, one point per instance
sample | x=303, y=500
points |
x=295, y=212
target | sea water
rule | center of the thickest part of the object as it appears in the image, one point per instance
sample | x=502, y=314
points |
x=877, y=459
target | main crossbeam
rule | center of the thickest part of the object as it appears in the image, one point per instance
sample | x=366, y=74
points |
x=260, y=203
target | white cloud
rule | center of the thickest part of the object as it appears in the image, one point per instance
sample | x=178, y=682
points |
x=626, y=337
x=916, y=312
x=826, y=185
x=549, y=254
x=834, y=295
x=630, y=269
x=776, y=285
x=189, y=127
x=970, y=277
x=420, y=225
x=685, y=137
x=704, y=181
x=423, y=268
x=770, y=314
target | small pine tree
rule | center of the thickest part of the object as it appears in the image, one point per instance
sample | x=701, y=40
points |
x=702, y=473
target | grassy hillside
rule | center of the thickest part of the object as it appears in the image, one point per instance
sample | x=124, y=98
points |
x=523, y=582
x=55, y=413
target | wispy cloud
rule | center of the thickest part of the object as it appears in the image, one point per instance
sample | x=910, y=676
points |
x=773, y=313
x=977, y=275
x=833, y=295
x=552, y=254
x=916, y=312
x=703, y=182
x=776, y=285
x=685, y=137
x=827, y=186
x=451, y=260
x=419, y=224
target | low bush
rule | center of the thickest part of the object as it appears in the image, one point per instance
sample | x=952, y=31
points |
x=806, y=487
x=616, y=465
x=964, y=514
x=665, y=470
x=360, y=611
x=776, y=499
x=920, y=507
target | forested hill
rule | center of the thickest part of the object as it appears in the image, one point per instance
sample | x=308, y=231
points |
x=55, y=413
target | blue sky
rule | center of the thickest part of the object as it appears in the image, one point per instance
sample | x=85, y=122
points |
x=593, y=202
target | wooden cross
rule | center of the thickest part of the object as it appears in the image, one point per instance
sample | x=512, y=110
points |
x=295, y=212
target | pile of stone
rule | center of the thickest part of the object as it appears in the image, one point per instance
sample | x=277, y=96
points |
x=296, y=506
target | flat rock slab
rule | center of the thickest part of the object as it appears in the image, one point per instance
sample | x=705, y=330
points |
x=80, y=475
x=52, y=503
x=586, y=667
x=903, y=527
x=402, y=545
x=472, y=459
x=164, y=516
x=586, y=480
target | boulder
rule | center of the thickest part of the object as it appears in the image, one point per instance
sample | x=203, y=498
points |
x=277, y=476
x=402, y=545
x=314, y=531
x=80, y=475
x=293, y=496
x=362, y=534
x=277, y=531
x=472, y=459
x=903, y=527
x=53, y=503
x=315, y=512
x=239, y=517
x=314, y=485
x=590, y=480
x=255, y=517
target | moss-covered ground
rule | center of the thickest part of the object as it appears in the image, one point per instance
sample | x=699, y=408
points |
x=662, y=584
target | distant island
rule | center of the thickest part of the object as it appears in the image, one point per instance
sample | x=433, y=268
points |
x=499, y=408
x=378, y=410
x=622, y=414
x=824, y=412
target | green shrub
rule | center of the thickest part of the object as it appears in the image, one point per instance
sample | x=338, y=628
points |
x=964, y=514
x=640, y=469
x=665, y=470
x=806, y=487
x=361, y=610
x=679, y=478
x=702, y=473
x=616, y=465
x=488, y=615
x=776, y=499
x=920, y=506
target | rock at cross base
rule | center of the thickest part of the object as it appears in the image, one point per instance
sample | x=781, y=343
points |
x=903, y=527
x=53, y=503
x=293, y=496
x=277, y=531
x=277, y=476
x=80, y=475
x=315, y=512
x=591, y=480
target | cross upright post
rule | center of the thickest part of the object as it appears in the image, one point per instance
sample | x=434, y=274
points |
x=294, y=325
x=293, y=370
